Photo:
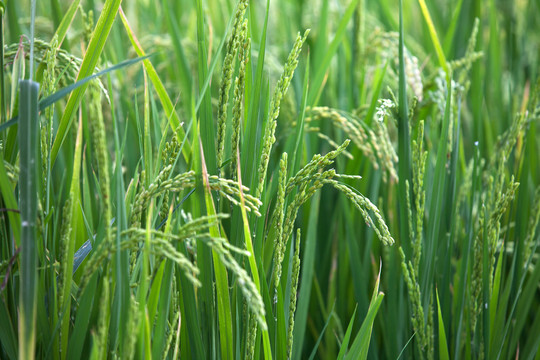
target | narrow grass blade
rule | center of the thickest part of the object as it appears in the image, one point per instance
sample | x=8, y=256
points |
x=92, y=55
x=8, y=197
x=317, y=83
x=436, y=203
x=164, y=304
x=8, y=332
x=321, y=335
x=3, y=110
x=206, y=122
x=145, y=348
x=443, y=345
x=360, y=346
x=450, y=34
x=252, y=260
x=191, y=320
x=50, y=100
x=19, y=67
x=68, y=261
x=434, y=38
x=62, y=29
x=147, y=138
x=494, y=301
x=81, y=254
x=306, y=278
x=53, y=98
x=153, y=294
x=345, y=343
x=378, y=82
x=254, y=126
x=122, y=297
x=222, y=282
x=82, y=320
x=522, y=300
x=13, y=16
x=28, y=203
x=203, y=297
x=299, y=131
x=166, y=102
x=320, y=46
x=32, y=37
x=208, y=79
x=280, y=329
x=404, y=142
x=186, y=81
x=405, y=347
x=460, y=292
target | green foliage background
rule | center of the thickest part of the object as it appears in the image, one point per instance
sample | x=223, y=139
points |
x=367, y=188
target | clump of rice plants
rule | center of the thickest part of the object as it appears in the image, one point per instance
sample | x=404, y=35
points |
x=282, y=179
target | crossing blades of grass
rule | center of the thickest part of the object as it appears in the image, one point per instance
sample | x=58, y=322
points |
x=443, y=346
x=321, y=335
x=320, y=73
x=62, y=29
x=82, y=320
x=450, y=34
x=360, y=345
x=347, y=338
x=186, y=80
x=71, y=212
x=252, y=260
x=53, y=98
x=170, y=112
x=436, y=204
x=90, y=60
x=122, y=300
x=222, y=283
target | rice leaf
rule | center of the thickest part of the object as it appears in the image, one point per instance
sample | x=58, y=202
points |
x=345, y=343
x=443, y=346
x=404, y=141
x=71, y=211
x=320, y=74
x=318, y=342
x=8, y=196
x=222, y=283
x=66, y=22
x=53, y=98
x=434, y=38
x=90, y=60
x=306, y=278
x=170, y=112
x=252, y=261
x=207, y=131
x=360, y=345
x=28, y=203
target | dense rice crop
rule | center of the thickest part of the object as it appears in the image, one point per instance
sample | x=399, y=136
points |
x=284, y=179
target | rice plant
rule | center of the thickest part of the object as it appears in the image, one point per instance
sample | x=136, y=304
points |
x=334, y=179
